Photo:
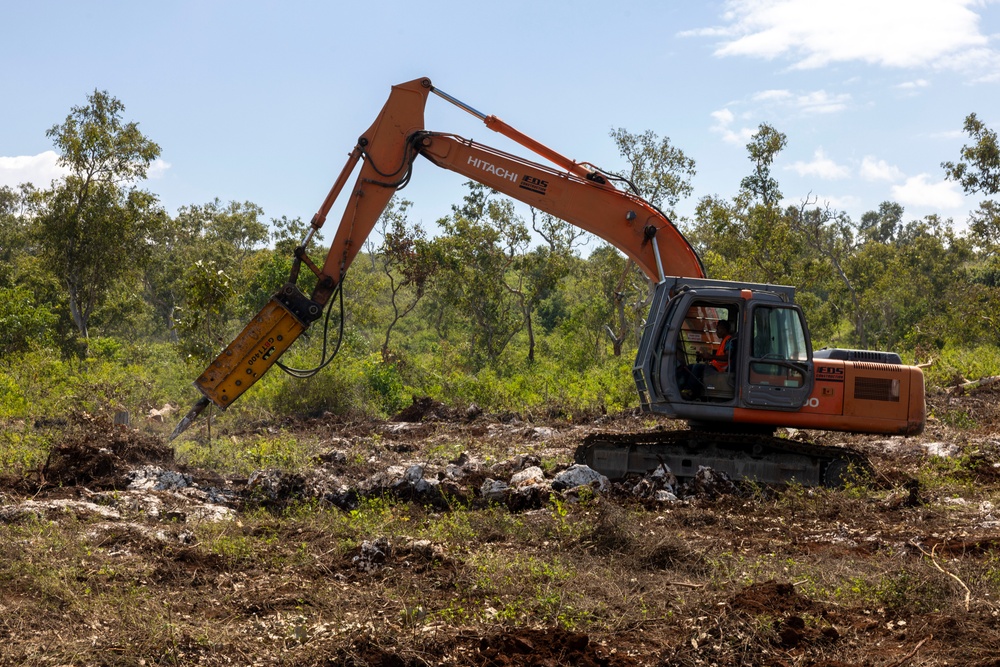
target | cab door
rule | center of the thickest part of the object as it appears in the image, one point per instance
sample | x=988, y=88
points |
x=777, y=358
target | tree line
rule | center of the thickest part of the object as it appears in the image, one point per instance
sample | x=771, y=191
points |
x=95, y=257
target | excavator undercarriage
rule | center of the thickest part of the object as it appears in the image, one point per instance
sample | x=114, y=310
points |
x=760, y=458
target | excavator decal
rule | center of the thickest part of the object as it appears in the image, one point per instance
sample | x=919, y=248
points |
x=533, y=184
x=500, y=172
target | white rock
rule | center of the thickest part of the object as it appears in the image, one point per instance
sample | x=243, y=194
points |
x=664, y=477
x=154, y=478
x=414, y=473
x=529, y=476
x=397, y=428
x=941, y=449
x=580, y=475
x=541, y=433
x=493, y=489
x=40, y=507
x=211, y=513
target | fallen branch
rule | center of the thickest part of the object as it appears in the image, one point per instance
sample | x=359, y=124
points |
x=968, y=593
x=976, y=384
x=912, y=653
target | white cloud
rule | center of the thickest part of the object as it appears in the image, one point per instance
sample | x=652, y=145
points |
x=157, y=169
x=985, y=62
x=817, y=101
x=919, y=191
x=889, y=33
x=913, y=85
x=39, y=169
x=723, y=120
x=879, y=170
x=771, y=96
x=820, y=101
x=43, y=168
x=723, y=117
x=821, y=167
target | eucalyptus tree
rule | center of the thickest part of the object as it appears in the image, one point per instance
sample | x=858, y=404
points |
x=661, y=174
x=95, y=225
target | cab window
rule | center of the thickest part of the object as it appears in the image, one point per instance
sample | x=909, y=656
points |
x=778, y=338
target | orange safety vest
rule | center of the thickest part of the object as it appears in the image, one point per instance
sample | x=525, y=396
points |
x=721, y=366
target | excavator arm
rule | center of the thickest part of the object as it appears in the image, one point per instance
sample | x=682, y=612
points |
x=575, y=192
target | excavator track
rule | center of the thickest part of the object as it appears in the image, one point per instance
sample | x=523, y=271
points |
x=760, y=458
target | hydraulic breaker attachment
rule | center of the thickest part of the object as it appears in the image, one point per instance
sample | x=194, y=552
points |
x=251, y=354
x=254, y=351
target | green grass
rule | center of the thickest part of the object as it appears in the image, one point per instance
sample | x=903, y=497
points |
x=951, y=364
x=243, y=455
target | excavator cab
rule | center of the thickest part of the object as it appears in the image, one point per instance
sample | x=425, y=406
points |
x=710, y=347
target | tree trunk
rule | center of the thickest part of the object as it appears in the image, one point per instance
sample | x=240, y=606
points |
x=172, y=325
x=385, y=343
x=618, y=339
x=531, y=336
x=79, y=317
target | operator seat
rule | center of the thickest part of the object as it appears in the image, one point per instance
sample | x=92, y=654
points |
x=721, y=385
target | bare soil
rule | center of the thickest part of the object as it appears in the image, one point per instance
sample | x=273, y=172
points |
x=282, y=568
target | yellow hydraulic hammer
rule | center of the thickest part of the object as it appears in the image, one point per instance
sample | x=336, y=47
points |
x=271, y=331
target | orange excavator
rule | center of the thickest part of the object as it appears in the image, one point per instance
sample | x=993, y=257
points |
x=761, y=372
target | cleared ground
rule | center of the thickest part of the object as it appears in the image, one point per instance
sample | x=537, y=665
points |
x=330, y=560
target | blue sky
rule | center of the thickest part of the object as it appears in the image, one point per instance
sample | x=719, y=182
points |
x=262, y=101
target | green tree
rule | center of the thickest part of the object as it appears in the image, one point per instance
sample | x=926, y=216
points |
x=231, y=238
x=984, y=227
x=95, y=226
x=750, y=238
x=883, y=225
x=409, y=262
x=764, y=146
x=978, y=171
x=661, y=174
x=12, y=234
x=628, y=292
x=535, y=275
x=23, y=321
x=979, y=168
x=831, y=241
x=269, y=269
x=201, y=324
x=479, y=244
x=660, y=171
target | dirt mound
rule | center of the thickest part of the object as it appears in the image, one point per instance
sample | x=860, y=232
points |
x=553, y=646
x=977, y=408
x=367, y=653
x=97, y=453
x=424, y=408
x=770, y=597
